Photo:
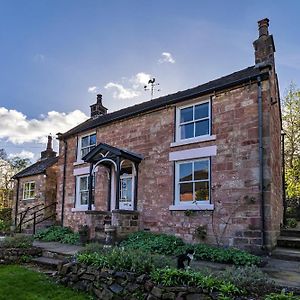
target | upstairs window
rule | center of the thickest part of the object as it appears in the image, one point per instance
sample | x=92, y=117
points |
x=87, y=143
x=29, y=190
x=193, y=121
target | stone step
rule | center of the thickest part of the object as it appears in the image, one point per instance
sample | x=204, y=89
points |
x=286, y=254
x=55, y=255
x=290, y=232
x=46, y=262
x=289, y=242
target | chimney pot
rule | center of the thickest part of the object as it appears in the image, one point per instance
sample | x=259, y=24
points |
x=98, y=109
x=99, y=98
x=263, y=26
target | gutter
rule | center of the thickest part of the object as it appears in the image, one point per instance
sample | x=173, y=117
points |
x=17, y=201
x=261, y=161
x=64, y=183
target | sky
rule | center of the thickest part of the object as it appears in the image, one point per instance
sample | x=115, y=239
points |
x=56, y=55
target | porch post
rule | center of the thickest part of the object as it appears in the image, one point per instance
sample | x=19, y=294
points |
x=118, y=183
x=136, y=177
x=90, y=187
x=109, y=190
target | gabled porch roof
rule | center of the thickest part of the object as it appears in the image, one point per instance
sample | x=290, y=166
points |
x=107, y=151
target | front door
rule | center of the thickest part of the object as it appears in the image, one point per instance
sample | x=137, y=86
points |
x=126, y=192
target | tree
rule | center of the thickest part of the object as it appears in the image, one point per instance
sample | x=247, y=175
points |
x=8, y=168
x=291, y=126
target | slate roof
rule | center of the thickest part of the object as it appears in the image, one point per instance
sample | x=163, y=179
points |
x=233, y=79
x=37, y=168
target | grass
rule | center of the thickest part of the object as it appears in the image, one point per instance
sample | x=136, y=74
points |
x=20, y=283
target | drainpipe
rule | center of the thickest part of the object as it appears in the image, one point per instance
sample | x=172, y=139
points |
x=17, y=201
x=64, y=184
x=261, y=161
x=283, y=178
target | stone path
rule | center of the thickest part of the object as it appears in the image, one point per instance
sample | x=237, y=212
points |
x=60, y=248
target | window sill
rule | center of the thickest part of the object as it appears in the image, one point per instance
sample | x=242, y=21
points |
x=79, y=162
x=81, y=209
x=192, y=207
x=193, y=141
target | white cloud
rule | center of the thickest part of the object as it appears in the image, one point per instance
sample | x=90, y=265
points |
x=16, y=128
x=142, y=78
x=93, y=89
x=22, y=154
x=120, y=92
x=166, y=58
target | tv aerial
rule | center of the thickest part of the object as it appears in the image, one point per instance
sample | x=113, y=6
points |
x=151, y=86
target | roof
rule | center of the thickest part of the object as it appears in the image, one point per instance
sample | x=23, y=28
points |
x=37, y=168
x=96, y=154
x=245, y=75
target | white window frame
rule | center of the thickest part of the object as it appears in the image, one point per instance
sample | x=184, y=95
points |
x=178, y=124
x=191, y=204
x=28, y=190
x=78, y=205
x=79, y=147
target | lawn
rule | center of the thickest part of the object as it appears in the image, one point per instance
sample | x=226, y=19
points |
x=20, y=283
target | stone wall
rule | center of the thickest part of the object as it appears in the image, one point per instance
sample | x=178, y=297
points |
x=108, y=284
x=17, y=255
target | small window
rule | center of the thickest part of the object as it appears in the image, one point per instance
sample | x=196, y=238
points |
x=193, y=121
x=82, y=199
x=193, y=182
x=87, y=143
x=29, y=190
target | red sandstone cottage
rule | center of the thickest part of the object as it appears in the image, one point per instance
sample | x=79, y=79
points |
x=203, y=164
x=35, y=190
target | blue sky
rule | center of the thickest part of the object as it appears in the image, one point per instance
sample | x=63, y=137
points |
x=55, y=55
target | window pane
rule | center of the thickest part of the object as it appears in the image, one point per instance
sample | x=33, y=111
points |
x=201, y=170
x=32, y=185
x=84, y=198
x=202, y=128
x=187, y=131
x=84, y=152
x=93, y=139
x=83, y=183
x=185, y=172
x=201, y=111
x=186, y=114
x=85, y=141
x=31, y=194
x=186, y=192
x=201, y=191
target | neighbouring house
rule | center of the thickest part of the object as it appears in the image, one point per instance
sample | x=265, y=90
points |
x=35, y=189
x=203, y=164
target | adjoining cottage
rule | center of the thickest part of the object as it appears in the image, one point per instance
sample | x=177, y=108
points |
x=35, y=189
x=203, y=164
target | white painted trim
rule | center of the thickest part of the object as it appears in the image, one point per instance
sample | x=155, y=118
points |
x=79, y=160
x=79, y=209
x=192, y=207
x=193, y=153
x=81, y=171
x=198, y=139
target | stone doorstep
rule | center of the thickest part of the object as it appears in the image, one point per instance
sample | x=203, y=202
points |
x=286, y=254
x=289, y=242
x=46, y=262
x=290, y=232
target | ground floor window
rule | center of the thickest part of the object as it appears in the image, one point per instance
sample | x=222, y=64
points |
x=192, y=182
x=82, y=191
x=29, y=190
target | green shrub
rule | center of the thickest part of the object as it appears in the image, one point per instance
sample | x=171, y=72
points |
x=282, y=296
x=92, y=248
x=174, y=277
x=154, y=243
x=5, y=219
x=171, y=245
x=291, y=222
x=119, y=259
x=250, y=279
x=17, y=241
x=58, y=234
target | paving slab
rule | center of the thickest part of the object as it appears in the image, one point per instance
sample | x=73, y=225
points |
x=60, y=248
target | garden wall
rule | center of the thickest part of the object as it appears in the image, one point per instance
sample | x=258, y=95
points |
x=107, y=284
x=17, y=255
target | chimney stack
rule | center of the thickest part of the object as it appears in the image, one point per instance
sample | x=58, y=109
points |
x=48, y=153
x=98, y=109
x=264, y=45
